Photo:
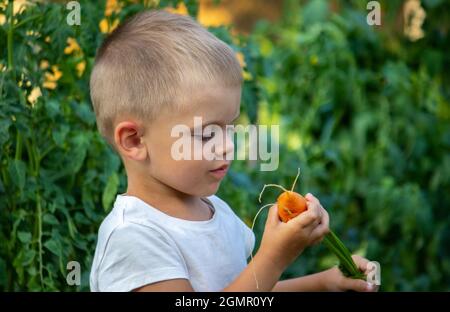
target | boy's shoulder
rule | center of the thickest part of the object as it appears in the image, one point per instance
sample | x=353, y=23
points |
x=131, y=210
x=126, y=214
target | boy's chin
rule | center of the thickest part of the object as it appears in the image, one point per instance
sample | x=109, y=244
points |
x=210, y=190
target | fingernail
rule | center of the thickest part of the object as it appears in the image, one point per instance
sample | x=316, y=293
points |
x=369, y=286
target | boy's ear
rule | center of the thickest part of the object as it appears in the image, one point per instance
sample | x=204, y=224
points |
x=128, y=136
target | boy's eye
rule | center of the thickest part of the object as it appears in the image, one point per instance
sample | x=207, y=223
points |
x=207, y=137
x=204, y=137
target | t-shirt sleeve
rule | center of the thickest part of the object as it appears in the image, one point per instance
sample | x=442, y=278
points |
x=137, y=255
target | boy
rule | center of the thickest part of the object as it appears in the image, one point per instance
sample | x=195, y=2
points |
x=169, y=232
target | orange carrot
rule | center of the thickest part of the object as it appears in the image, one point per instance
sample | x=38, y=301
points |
x=291, y=204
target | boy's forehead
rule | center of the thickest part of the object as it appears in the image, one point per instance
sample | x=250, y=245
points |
x=213, y=104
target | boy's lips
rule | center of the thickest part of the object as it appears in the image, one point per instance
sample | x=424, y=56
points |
x=221, y=171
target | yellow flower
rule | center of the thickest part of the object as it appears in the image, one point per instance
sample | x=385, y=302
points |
x=241, y=59
x=52, y=78
x=112, y=6
x=180, y=9
x=44, y=64
x=151, y=3
x=19, y=6
x=49, y=85
x=34, y=95
x=106, y=27
x=72, y=45
x=47, y=39
x=212, y=15
x=56, y=72
x=80, y=68
x=103, y=25
x=114, y=24
x=2, y=19
x=246, y=75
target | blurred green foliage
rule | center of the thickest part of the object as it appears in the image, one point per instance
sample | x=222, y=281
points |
x=362, y=111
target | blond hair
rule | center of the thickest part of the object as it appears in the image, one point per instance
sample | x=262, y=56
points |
x=151, y=62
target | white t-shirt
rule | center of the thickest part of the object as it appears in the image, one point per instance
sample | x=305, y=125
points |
x=139, y=244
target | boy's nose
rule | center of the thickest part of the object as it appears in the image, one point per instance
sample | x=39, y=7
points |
x=227, y=148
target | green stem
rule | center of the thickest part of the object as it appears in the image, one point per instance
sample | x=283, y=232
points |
x=343, y=260
x=36, y=156
x=345, y=252
x=347, y=265
x=40, y=252
x=35, y=167
x=31, y=161
x=18, y=145
x=26, y=20
x=10, y=37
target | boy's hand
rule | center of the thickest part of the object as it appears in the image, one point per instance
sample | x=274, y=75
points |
x=334, y=280
x=283, y=242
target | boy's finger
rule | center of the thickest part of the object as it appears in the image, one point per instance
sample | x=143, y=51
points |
x=273, y=217
x=303, y=220
x=360, y=262
x=358, y=285
x=311, y=198
x=325, y=219
x=315, y=205
x=317, y=241
x=311, y=217
x=316, y=209
x=323, y=229
x=312, y=227
x=319, y=232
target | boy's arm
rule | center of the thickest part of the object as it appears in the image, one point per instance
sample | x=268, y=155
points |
x=267, y=273
x=175, y=285
x=313, y=282
x=329, y=280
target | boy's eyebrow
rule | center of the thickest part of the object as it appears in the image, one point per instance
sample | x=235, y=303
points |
x=216, y=122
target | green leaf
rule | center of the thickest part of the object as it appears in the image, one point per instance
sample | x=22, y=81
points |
x=60, y=134
x=24, y=237
x=110, y=191
x=28, y=257
x=5, y=123
x=50, y=219
x=80, y=145
x=53, y=246
x=315, y=11
x=17, y=171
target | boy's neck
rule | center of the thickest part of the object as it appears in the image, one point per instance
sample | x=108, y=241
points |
x=170, y=201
